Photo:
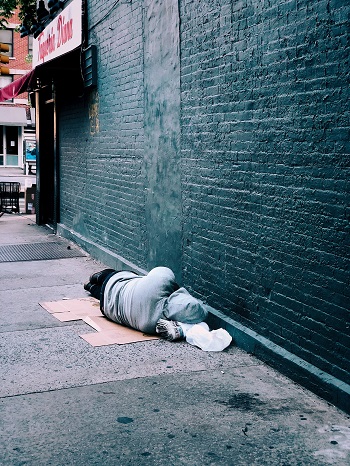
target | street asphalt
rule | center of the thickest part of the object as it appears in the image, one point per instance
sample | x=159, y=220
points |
x=64, y=402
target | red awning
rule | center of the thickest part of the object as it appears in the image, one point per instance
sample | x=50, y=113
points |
x=22, y=84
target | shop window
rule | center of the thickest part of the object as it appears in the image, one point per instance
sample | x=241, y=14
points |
x=30, y=45
x=6, y=37
x=4, y=81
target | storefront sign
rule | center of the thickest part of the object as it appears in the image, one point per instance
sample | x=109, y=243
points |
x=60, y=36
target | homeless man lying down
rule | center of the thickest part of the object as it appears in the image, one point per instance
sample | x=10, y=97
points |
x=153, y=304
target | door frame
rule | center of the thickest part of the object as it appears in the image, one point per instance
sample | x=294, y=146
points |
x=47, y=211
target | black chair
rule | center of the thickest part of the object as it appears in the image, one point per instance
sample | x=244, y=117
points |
x=9, y=196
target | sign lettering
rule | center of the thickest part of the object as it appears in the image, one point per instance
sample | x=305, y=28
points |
x=62, y=35
x=65, y=30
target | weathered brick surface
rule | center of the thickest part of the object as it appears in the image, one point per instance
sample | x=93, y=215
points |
x=20, y=47
x=265, y=163
x=102, y=140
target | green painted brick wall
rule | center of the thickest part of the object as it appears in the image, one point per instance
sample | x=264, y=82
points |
x=250, y=151
x=265, y=169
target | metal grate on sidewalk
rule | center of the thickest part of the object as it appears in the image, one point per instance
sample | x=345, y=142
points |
x=37, y=251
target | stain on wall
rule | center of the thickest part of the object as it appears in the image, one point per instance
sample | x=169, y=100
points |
x=161, y=167
x=94, y=112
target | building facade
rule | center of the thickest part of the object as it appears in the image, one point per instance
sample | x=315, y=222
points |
x=17, y=118
x=215, y=142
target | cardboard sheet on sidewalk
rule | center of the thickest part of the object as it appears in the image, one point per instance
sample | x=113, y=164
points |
x=88, y=310
x=72, y=309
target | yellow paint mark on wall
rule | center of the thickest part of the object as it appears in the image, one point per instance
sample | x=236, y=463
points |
x=94, y=107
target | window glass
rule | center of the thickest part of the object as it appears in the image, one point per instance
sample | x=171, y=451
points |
x=12, y=160
x=12, y=140
x=11, y=145
x=6, y=37
x=5, y=80
x=30, y=45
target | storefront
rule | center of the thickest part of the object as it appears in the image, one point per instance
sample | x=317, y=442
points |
x=15, y=129
x=62, y=68
x=56, y=59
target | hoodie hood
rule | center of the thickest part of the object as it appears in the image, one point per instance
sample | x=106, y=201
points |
x=183, y=307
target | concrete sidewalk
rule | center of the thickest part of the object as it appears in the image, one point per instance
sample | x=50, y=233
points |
x=17, y=174
x=64, y=402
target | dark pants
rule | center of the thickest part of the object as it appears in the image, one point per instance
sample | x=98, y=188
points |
x=98, y=282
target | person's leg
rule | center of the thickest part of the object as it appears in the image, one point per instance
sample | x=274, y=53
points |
x=97, y=289
x=94, y=290
x=99, y=277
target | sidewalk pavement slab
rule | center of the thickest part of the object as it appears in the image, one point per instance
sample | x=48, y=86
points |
x=65, y=402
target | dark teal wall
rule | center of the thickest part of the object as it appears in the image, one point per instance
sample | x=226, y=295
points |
x=265, y=164
x=217, y=143
x=120, y=144
x=162, y=135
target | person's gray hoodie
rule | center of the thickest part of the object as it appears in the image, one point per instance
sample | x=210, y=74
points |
x=140, y=301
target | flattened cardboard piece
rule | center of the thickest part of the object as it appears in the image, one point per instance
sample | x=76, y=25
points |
x=103, y=325
x=78, y=307
x=54, y=307
x=100, y=323
x=121, y=336
x=66, y=316
x=88, y=310
x=84, y=306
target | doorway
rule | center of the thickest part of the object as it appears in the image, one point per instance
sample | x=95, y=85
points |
x=9, y=145
x=47, y=163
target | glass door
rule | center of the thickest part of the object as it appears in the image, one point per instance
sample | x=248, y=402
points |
x=9, y=145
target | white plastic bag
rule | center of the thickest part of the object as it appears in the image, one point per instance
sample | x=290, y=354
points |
x=215, y=340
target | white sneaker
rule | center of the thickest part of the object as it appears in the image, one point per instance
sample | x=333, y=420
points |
x=169, y=330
